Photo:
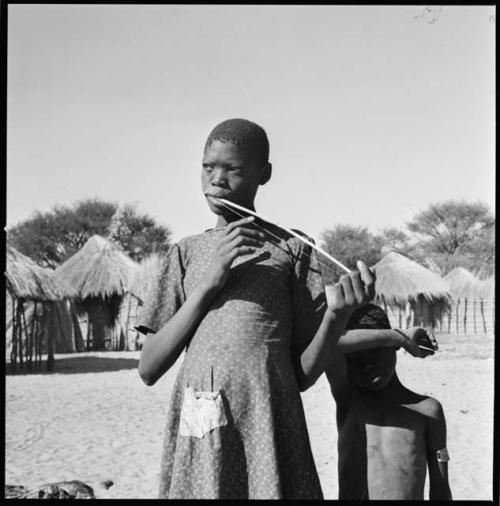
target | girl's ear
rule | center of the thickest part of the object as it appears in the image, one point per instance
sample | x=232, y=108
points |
x=266, y=174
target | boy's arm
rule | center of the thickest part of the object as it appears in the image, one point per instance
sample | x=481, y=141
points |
x=362, y=339
x=336, y=373
x=439, y=487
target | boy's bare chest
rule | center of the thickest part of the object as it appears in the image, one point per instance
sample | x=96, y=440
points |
x=384, y=448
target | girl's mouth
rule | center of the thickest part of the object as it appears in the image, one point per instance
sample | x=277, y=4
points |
x=215, y=197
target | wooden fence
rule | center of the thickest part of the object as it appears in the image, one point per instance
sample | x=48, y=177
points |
x=465, y=316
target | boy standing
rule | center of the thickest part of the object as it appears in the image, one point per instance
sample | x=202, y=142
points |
x=387, y=434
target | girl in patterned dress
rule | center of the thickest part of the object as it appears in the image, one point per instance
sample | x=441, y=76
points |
x=249, y=309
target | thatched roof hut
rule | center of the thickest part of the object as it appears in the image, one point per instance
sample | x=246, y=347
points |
x=31, y=332
x=27, y=280
x=102, y=276
x=146, y=279
x=400, y=280
x=410, y=293
x=462, y=283
x=98, y=269
x=487, y=288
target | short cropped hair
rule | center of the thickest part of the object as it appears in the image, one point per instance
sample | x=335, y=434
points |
x=248, y=136
x=368, y=316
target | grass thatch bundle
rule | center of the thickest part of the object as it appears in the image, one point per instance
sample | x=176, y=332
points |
x=25, y=279
x=146, y=279
x=401, y=280
x=487, y=288
x=462, y=283
x=99, y=269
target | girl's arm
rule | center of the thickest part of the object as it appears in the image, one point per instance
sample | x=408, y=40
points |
x=161, y=350
x=352, y=291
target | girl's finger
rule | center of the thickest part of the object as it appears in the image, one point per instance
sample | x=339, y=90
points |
x=241, y=250
x=242, y=230
x=338, y=297
x=239, y=223
x=346, y=283
x=242, y=240
x=368, y=277
x=358, y=287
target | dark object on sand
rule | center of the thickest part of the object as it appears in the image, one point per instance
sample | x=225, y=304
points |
x=74, y=489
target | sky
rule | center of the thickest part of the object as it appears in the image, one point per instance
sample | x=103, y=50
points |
x=372, y=112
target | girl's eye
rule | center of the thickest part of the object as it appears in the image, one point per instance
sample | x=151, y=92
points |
x=207, y=167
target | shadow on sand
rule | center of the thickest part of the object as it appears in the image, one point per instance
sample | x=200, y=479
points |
x=75, y=365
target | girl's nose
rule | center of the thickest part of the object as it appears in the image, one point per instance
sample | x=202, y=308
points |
x=218, y=176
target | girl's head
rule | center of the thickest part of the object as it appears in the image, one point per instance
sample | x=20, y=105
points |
x=235, y=163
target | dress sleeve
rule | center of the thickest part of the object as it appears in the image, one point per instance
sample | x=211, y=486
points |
x=308, y=297
x=167, y=295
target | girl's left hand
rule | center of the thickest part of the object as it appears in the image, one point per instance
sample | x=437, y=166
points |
x=353, y=290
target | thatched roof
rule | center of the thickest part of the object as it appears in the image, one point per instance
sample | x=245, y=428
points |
x=98, y=269
x=147, y=276
x=462, y=282
x=400, y=279
x=25, y=279
x=487, y=288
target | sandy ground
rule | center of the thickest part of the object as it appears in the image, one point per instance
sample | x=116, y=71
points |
x=93, y=419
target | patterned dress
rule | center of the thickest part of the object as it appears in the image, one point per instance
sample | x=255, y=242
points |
x=235, y=424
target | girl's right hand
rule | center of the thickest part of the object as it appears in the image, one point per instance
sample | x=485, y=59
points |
x=237, y=240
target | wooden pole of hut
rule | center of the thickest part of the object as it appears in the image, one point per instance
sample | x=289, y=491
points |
x=88, y=331
x=79, y=344
x=28, y=338
x=449, y=318
x=474, y=314
x=465, y=315
x=50, y=342
x=128, y=321
x=456, y=316
x=13, y=350
x=482, y=315
x=41, y=335
x=20, y=331
x=33, y=334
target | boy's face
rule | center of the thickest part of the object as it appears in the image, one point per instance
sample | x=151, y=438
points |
x=229, y=173
x=371, y=369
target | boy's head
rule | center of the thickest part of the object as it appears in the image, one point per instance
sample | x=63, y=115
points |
x=235, y=162
x=370, y=369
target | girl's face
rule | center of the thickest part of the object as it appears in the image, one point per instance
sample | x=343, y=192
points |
x=229, y=173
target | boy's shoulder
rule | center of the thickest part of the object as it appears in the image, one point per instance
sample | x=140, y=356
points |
x=425, y=405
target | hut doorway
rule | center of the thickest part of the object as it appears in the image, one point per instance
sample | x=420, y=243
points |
x=102, y=314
